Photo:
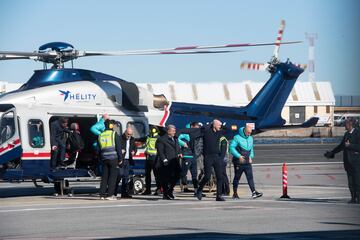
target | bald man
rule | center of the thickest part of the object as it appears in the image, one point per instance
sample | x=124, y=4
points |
x=211, y=141
x=129, y=149
x=242, y=149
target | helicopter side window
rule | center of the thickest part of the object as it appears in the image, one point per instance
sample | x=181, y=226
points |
x=36, y=133
x=138, y=129
x=7, y=127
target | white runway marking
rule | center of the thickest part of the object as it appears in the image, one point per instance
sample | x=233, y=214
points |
x=297, y=163
x=98, y=206
x=183, y=202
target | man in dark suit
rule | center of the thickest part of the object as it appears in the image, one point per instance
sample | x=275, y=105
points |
x=168, y=151
x=128, y=149
x=350, y=145
x=58, y=135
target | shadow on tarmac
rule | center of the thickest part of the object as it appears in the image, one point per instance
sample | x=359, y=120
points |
x=312, y=200
x=345, y=234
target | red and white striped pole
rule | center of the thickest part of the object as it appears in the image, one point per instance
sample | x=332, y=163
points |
x=284, y=181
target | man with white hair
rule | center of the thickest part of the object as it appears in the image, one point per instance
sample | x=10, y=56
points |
x=168, y=151
x=211, y=141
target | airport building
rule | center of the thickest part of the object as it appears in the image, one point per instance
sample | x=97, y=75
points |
x=347, y=104
x=305, y=101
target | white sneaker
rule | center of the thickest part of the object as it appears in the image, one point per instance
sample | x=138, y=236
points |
x=112, y=198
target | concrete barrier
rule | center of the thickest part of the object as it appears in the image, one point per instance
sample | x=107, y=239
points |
x=316, y=132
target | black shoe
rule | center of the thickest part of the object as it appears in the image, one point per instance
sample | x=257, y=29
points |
x=199, y=194
x=171, y=195
x=235, y=196
x=256, y=194
x=167, y=197
x=126, y=195
x=146, y=193
x=202, y=194
x=220, y=199
x=353, y=200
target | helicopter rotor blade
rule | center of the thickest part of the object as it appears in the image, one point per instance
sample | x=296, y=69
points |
x=279, y=38
x=253, y=66
x=12, y=55
x=182, y=49
x=152, y=53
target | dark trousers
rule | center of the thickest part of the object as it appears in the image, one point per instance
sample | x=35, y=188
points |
x=57, y=156
x=212, y=161
x=239, y=169
x=150, y=166
x=108, y=178
x=353, y=175
x=186, y=165
x=169, y=175
x=226, y=186
x=123, y=176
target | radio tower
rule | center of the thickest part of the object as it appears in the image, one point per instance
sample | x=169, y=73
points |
x=311, y=37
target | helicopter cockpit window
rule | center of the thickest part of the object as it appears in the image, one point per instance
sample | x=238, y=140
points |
x=36, y=133
x=138, y=129
x=7, y=127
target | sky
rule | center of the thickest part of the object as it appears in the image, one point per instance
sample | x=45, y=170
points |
x=128, y=25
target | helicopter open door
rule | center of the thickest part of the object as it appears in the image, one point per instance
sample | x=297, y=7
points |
x=10, y=144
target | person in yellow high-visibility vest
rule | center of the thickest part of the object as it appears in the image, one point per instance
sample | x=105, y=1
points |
x=150, y=152
x=111, y=156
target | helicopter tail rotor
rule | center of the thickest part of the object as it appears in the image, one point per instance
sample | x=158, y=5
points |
x=269, y=66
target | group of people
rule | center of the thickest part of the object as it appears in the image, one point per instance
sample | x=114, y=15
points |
x=116, y=156
x=172, y=155
x=66, y=143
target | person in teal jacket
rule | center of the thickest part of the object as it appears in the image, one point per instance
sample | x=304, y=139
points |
x=242, y=149
x=97, y=129
x=188, y=162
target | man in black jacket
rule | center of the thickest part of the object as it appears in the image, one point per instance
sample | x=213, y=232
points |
x=128, y=149
x=168, y=151
x=350, y=145
x=58, y=137
x=211, y=141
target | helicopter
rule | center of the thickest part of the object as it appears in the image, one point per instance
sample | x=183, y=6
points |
x=84, y=95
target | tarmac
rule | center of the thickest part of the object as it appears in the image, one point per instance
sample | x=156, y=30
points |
x=317, y=208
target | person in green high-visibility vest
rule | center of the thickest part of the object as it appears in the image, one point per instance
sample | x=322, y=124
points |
x=150, y=152
x=111, y=156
